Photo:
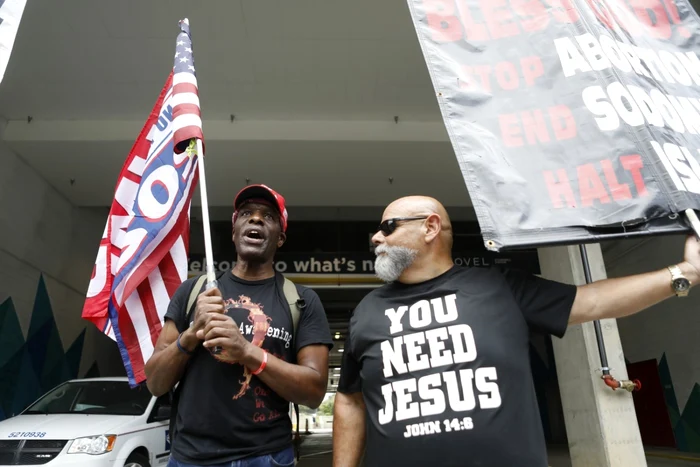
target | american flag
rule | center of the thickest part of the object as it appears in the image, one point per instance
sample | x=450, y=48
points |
x=142, y=257
x=187, y=119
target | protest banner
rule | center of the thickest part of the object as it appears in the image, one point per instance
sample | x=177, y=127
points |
x=10, y=16
x=573, y=121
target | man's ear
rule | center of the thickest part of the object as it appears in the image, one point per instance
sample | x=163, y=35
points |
x=282, y=239
x=433, y=227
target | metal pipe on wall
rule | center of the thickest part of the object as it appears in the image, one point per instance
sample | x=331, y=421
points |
x=609, y=380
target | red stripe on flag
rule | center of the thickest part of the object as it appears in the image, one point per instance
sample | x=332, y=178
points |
x=185, y=109
x=186, y=232
x=168, y=271
x=158, y=253
x=149, y=308
x=131, y=342
x=184, y=87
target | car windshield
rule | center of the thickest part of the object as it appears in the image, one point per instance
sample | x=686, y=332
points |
x=93, y=397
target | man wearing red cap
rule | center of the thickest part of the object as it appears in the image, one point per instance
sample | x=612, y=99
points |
x=233, y=402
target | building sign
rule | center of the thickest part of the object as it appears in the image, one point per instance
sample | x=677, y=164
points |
x=362, y=264
x=572, y=120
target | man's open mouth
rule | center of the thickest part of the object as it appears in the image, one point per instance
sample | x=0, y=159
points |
x=254, y=236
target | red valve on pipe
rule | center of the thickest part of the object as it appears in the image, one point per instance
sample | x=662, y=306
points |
x=628, y=385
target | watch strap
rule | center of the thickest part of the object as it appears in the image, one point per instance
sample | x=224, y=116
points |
x=677, y=273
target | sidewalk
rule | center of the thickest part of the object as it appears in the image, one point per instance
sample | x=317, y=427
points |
x=316, y=452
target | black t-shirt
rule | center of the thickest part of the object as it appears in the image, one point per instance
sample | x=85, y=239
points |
x=218, y=419
x=444, y=369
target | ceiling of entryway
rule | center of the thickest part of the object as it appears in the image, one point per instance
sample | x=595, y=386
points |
x=313, y=87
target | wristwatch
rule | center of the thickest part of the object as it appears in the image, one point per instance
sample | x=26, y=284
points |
x=679, y=283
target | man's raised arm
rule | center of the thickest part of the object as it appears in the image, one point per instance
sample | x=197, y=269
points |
x=619, y=297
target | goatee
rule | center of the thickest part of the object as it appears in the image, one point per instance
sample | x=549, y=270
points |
x=390, y=265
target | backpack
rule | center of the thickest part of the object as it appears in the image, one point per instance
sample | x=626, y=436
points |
x=295, y=305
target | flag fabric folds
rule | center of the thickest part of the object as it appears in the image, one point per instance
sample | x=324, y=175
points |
x=142, y=257
x=187, y=118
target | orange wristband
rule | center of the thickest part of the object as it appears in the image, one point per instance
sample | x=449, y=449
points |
x=263, y=364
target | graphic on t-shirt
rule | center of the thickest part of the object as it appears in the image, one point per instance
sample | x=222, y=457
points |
x=459, y=389
x=261, y=323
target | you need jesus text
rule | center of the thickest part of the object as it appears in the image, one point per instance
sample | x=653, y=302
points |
x=460, y=390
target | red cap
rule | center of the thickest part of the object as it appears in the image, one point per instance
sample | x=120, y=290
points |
x=266, y=193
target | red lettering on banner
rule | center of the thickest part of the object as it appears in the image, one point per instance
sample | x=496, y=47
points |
x=652, y=17
x=442, y=19
x=559, y=189
x=633, y=164
x=601, y=11
x=499, y=19
x=456, y=20
x=619, y=191
x=591, y=186
x=652, y=14
x=563, y=11
x=675, y=17
x=507, y=74
x=475, y=31
x=532, y=69
x=535, y=127
x=563, y=122
x=484, y=72
x=533, y=124
x=533, y=16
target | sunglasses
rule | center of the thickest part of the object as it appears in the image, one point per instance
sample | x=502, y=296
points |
x=390, y=225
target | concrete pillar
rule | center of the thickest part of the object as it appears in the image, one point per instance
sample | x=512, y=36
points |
x=601, y=424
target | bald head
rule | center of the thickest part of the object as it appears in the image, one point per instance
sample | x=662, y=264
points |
x=410, y=206
x=414, y=242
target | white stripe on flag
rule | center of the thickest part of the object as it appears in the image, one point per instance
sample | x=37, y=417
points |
x=109, y=330
x=185, y=98
x=137, y=165
x=179, y=254
x=184, y=78
x=160, y=293
x=138, y=319
x=183, y=121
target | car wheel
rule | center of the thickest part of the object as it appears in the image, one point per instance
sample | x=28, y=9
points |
x=137, y=460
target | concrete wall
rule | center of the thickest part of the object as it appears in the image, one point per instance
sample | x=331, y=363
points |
x=667, y=332
x=47, y=251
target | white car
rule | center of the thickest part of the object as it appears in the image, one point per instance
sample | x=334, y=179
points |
x=91, y=422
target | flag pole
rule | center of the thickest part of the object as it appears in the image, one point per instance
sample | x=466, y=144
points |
x=211, y=277
x=694, y=221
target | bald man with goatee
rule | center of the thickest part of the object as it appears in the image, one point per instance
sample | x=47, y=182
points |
x=436, y=368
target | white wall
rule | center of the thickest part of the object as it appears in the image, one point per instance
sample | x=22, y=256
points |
x=42, y=233
x=671, y=327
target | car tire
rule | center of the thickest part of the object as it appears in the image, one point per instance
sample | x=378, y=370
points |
x=137, y=460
